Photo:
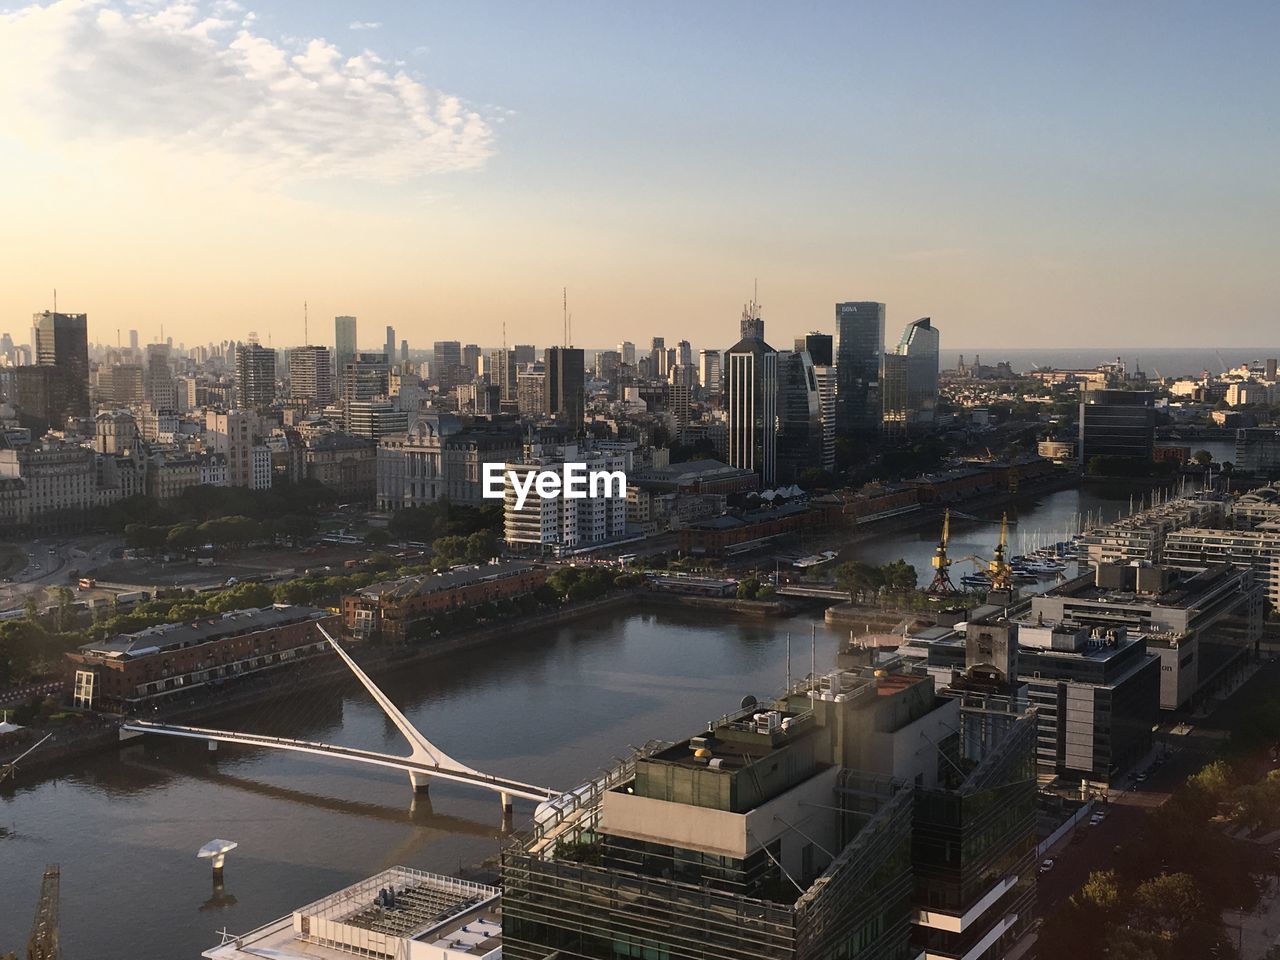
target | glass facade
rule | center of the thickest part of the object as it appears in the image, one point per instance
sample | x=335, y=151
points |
x=859, y=347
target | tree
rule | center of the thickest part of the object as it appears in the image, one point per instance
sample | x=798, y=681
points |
x=1202, y=457
x=858, y=578
x=377, y=537
x=899, y=576
x=1173, y=909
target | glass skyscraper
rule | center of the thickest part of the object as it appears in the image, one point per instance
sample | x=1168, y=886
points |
x=858, y=348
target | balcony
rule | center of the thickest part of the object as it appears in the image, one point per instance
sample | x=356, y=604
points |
x=959, y=923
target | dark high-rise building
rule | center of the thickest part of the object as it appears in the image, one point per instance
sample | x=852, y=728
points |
x=133, y=340
x=859, y=345
x=344, y=343
x=658, y=358
x=365, y=378
x=524, y=353
x=799, y=417
x=751, y=398
x=40, y=394
x=404, y=351
x=390, y=348
x=255, y=375
x=62, y=341
x=446, y=365
x=471, y=354
x=1117, y=423
x=818, y=346
x=564, y=384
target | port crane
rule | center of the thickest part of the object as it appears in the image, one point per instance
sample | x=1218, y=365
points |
x=1000, y=569
x=941, y=582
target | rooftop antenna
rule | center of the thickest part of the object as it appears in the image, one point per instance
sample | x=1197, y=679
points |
x=55, y=300
x=564, y=295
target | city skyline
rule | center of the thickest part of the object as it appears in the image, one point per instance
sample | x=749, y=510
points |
x=442, y=170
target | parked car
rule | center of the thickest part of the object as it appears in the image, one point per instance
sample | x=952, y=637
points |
x=1046, y=866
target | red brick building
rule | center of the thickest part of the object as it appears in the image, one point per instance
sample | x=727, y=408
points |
x=388, y=609
x=133, y=672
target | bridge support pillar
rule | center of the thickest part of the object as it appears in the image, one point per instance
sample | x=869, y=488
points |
x=507, y=811
x=419, y=781
x=213, y=746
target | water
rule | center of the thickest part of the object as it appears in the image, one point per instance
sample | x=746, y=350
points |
x=550, y=707
x=1169, y=361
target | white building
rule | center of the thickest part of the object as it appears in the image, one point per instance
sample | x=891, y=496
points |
x=233, y=434
x=560, y=524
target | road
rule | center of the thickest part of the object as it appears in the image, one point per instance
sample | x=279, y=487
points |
x=50, y=560
x=1075, y=860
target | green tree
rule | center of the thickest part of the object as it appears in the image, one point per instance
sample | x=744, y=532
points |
x=1202, y=457
x=377, y=537
x=858, y=578
x=899, y=576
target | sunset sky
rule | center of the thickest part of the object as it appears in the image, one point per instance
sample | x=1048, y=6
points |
x=1028, y=174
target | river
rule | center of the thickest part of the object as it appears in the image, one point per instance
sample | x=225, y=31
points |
x=550, y=707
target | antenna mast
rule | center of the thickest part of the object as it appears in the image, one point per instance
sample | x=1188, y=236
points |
x=564, y=294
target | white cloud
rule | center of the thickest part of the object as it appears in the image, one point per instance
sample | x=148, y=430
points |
x=196, y=81
x=364, y=25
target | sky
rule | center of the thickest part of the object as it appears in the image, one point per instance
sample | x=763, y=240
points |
x=1027, y=174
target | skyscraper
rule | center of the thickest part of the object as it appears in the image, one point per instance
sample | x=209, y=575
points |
x=390, y=349
x=62, y=341
x=628, y=351
x=564, y=386
x=160, y=387
x=446, y=368
x=799, y=445
x=133, y=340
x=255, y=375
x=818, y=346
x=859, y=346
x=344, y=342
x=751, y=395
x=709, y=372
x=470, y=361
x=658, y=357
x=911, y=377
x=311, y=374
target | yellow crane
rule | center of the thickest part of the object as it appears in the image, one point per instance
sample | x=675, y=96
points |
x=1000, y=570
x=941, y=582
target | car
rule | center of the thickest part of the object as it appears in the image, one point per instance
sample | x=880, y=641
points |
x=1097, y=818
x=1140, y=778
x=1046, y=866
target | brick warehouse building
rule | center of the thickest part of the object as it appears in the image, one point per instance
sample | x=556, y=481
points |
x=389, y=608
x=132, y=672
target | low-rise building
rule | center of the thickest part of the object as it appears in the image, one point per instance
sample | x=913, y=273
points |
x=388, y=609
x=344, y=463
x=131, y=673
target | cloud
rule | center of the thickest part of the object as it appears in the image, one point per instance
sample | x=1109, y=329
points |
x=364, y=25
x=196, y=80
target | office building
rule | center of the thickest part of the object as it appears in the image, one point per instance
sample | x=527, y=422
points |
x=813, y=825
x=910, y=390
x=800, y=434
x=404, y=352
x=1116, y=424
x=446, y=364
x=607, y=364
x=751, y=398
x=389, y=347
x=531, y=390
x=375, y=418
x=563, y=384
x=818, y=346
x=62, y=341
x=524, y=353
x=124, y=384
x=628, y=351
x=826, y=380
x=471, y=355
x=344, y=343
x=311, y=374
x=1202, y=622
x=161, y=388
x=709, y=372
x=658, y=357
x=255, y=375
x=133, y=341
x=859, y=346
x=367, y=376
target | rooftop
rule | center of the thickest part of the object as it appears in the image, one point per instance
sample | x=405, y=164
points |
x=399, y=912
x=434, y=582
x=171, y=636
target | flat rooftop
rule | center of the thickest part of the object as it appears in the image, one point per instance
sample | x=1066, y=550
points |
x=399, y=912
x=1186, y=589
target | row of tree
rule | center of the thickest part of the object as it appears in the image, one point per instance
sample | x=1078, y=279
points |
x=864, y=580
